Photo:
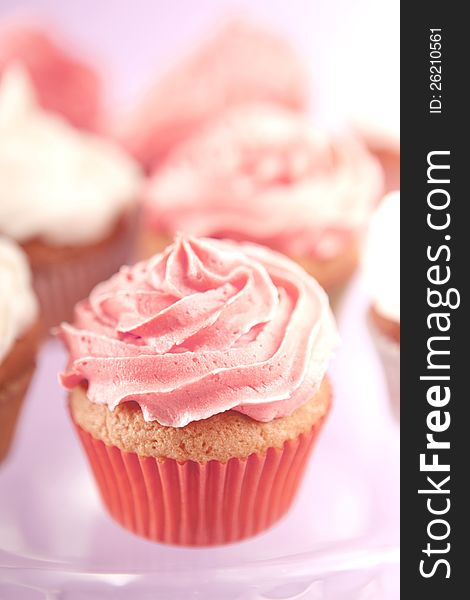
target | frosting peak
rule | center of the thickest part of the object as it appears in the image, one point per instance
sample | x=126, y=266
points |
x=205, y=327
x=59, y=184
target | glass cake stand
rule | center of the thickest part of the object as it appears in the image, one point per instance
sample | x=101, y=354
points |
x=339, y=541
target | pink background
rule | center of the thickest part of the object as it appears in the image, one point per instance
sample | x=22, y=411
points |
x=351, y=46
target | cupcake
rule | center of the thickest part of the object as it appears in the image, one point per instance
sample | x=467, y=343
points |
x=63, y=83
x=18, y=337
x=242, y=63
x=386, y=149
x=263, y=174
x=382, y=276
x=378, y=125
x=68, y=197
x=197, y=387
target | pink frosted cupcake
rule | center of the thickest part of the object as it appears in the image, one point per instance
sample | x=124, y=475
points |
x=197, y=386
x=69, y=198
x=382, y=275
x=262, y=173
x=243, y=63
x=63, y=83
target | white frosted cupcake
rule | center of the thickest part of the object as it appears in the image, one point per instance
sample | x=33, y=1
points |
x=382, y=274
x=67, y=197
x=18, y=337
x=384, y=144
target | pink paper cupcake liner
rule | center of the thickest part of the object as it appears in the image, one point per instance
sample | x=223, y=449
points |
x=198, y=504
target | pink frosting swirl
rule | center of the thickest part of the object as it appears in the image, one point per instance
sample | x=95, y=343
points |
x=205, y=327
x=261, y=173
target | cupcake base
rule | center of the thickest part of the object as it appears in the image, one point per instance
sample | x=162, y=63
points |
x=64, y=275
x=11, y=400
x=334, y=274
x=16, y=372
x=199, y=501
x=150, y=243
x=198, y=504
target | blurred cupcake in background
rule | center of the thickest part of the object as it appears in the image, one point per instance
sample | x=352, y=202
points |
x=63, y=83
x=19, y=335
x=382, y=276
x=198, y=387
x=242, y=63
x=262, y=173
x=68, y=197
x=377, y=123
x=386, y=148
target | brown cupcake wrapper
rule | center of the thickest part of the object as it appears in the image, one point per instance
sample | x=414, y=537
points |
x=198, y=504
x=60, y=286
x=12, y=395
x=389, y=352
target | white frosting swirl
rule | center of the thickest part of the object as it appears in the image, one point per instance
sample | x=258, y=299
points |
x=382, y=258
x=18, y=305
x=62, y=185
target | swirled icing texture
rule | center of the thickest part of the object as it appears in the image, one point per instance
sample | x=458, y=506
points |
x=241, y=63
x=382, y=257
x=58, y=184
x=18, y=305
x=206, y=326
x=264, y=174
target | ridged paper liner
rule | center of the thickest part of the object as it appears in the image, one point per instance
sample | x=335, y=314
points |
x=12, y=395
x=389, y=352
x=60, y=286
x=198, y=504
